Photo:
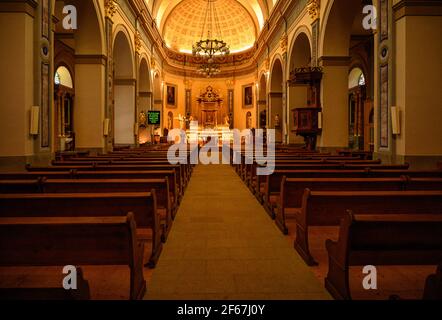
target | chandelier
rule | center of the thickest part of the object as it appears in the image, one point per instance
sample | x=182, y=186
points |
x=209, y=69
x=213, y=45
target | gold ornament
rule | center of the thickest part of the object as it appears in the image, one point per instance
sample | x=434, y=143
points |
x=313, y=8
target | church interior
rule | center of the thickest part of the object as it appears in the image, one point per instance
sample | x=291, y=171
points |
x=97, y=96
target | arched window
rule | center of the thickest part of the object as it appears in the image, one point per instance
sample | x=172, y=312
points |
x=63, y=77
x=356, y=78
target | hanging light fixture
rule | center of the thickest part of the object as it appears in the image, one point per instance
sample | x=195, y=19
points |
x=209, y=69
x=213, y=45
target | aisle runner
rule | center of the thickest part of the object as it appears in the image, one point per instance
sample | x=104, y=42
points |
x=223, y=245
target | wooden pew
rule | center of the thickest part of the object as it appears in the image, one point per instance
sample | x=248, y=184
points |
x=43, y=241
x=326, y=208
x=379, y=239
x=176, y=168
x=433, y=285
x=270, y=186
x=142, y=204
x=161, y=187
x=20, y=186
x=292, y=190
x=74, y=174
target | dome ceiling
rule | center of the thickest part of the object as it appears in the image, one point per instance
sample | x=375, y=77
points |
x=183, y=26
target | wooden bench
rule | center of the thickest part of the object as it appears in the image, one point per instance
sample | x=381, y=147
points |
x=142, y=204
x=433, y=285
x=270, y=186
x=179, y=176
x=175, y=197
x=327, y=208
x=161, y=187
x=292, y=190
x=379, y=239
x=43, y=241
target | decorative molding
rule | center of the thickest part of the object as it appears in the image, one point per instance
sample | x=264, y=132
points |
x=283, y=43
x=109, y=8
x=125, y=82
x=188, y=84
x=334, y=61
x=137, y=42
x=313, y=8
x=90, y=59
x=230, y=83
x=19, y=6
x=417, y=8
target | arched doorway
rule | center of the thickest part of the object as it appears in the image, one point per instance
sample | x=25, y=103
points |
x=81, y=51
x=262, y=102
x=298, y=96
x=64, y=110
x=275, y=98
x=356, y=101
x=124, y=91
x=344, y=44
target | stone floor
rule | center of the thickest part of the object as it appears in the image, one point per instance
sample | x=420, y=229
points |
x=224, y=246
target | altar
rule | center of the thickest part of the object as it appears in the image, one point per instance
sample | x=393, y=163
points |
x=209, y=106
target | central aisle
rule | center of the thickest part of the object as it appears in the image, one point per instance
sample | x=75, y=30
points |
x=223, y=245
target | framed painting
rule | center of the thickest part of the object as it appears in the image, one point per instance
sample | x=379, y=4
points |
x=247, y=93
x=171, y=95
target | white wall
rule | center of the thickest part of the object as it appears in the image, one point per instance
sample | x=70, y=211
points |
x=124, y=114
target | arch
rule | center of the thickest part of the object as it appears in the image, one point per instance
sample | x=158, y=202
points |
x=124, y=87
x=144, y=76
x=300, y=45
x=276, y=74
x=298, y=96
x=276, y=113
x=83, y=55
x=339, y=17
x=123, y=53
x=63, y=77
x=89, y=39
x=354, y=77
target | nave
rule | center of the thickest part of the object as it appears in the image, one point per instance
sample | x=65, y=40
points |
x=224, y=246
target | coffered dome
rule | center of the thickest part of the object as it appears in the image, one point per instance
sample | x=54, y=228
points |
x=184, y=24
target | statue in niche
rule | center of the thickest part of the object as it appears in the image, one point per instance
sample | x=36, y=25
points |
x=277, y=121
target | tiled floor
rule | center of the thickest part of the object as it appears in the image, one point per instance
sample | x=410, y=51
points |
x=224, y=246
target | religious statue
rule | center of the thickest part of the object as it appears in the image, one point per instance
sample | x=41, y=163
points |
x=277, y=122
x=181, y=119
x=227, y=120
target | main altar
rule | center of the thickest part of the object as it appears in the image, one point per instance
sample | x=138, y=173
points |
x=209, y=106
x=212, y=119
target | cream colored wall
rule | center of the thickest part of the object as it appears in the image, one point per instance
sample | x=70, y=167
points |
x=124, y=114
x=334, y=91
x=418, y=83
x=89, y=105
x=16, y=83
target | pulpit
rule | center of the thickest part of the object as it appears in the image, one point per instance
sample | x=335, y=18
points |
x=307, y=120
